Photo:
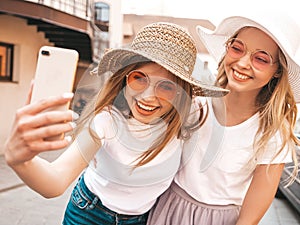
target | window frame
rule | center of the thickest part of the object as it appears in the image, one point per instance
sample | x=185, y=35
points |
x=9, y=56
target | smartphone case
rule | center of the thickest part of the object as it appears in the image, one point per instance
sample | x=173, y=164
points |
x=55, y=73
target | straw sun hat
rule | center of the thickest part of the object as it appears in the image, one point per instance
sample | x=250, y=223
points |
x=166, y=44
x=282, y=29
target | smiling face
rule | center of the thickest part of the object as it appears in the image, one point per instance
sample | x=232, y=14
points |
x=242, y=75
x=144, y=103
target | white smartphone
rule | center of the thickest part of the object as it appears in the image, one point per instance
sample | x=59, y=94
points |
x=55, y=73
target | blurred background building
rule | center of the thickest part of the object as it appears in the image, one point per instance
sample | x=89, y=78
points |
x=88, y=26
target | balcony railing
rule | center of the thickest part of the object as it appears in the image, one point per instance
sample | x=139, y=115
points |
x=87, y=38
x=80, y=8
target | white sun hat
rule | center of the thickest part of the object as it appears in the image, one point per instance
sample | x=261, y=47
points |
x=280, y=27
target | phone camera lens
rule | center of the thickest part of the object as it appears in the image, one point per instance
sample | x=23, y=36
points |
x=44, y=52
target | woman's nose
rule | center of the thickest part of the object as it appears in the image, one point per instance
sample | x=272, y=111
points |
x=245, y=60
x=149, y=93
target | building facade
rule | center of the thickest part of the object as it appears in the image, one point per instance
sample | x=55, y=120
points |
x=26, y=26
x=88, y=26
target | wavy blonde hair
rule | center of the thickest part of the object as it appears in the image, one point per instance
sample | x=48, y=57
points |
x=112, y=95
x=277, y=110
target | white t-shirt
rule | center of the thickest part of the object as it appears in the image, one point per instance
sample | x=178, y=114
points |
x=214, y=167
x=110, y=175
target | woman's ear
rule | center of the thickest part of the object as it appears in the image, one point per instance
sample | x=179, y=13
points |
x=278, y=72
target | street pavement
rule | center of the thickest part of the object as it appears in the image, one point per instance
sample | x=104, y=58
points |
x=19, y=205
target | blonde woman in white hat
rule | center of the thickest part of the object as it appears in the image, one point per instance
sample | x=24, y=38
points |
x=128, y=142
x=240, y=150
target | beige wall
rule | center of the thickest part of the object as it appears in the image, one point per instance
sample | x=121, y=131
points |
x=133, y=23
x=27, y=42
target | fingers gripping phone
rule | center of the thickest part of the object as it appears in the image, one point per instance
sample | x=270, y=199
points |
x=55, y=73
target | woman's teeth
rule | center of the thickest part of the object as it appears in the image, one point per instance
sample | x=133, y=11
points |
x=240, y=76
x=145, y=107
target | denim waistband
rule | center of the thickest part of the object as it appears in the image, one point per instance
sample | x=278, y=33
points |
x=96, y=202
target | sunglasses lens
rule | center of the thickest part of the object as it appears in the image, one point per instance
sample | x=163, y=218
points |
x=261, y=60
x=137, y=81
x=236, y=49
x=166, y=90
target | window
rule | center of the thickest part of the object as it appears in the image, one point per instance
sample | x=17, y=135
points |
x=102, y=12
x=6, y=61
x=102, y=16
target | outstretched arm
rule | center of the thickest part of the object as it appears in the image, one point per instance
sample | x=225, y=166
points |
x=51, y=179
x=260, y=193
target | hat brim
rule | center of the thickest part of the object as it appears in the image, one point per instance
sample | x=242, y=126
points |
x=214, y=41
x=117, y=59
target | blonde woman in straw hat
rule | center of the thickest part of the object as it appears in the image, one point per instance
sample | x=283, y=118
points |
x=240, y=151
x=128, y=141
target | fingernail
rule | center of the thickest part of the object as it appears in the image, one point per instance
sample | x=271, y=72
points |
x=73, y=124
x=68, y=95
x=68, y=138
x=75, y=115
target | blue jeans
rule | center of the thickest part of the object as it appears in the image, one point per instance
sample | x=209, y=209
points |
x=85, y=208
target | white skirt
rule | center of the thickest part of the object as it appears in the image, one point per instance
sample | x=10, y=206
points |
x=176, y=207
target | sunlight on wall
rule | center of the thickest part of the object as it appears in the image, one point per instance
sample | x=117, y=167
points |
x=214, y=10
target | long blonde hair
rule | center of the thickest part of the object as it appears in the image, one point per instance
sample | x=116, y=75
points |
x=277, y=110
x=112, y=95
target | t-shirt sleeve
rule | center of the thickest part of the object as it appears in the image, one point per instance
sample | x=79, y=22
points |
x=85, y=142
x=102, y=125
x=97, y=125
x=284, y=156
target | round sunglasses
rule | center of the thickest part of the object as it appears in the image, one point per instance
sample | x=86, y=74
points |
x=139, y=81
x=260, y=59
